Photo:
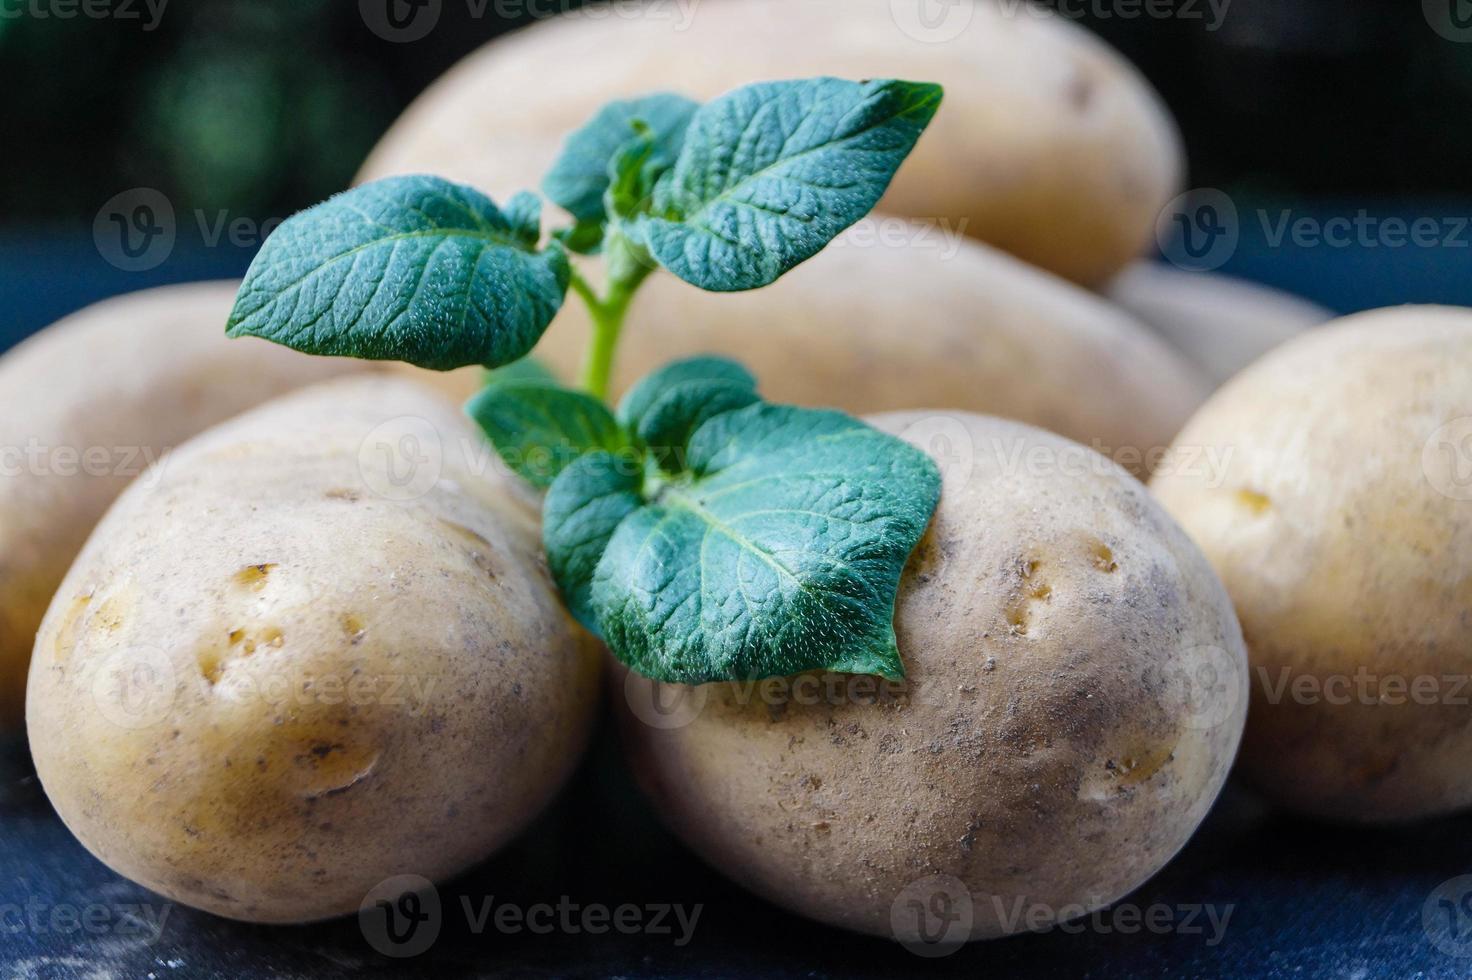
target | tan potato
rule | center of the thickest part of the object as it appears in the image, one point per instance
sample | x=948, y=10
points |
x=1341, y=523
x=86, y=405
x=881, y=322
x=1222, y=324
x=1076, y=689
x=323, y=651
x=1049, y=144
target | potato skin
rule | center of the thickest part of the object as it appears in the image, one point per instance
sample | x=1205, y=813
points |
x=133, y=376
x=1047, y=752
x=1344, y=556
x=879, y=323
x=1221, y=323
x=264, y=578
x=1049, y=145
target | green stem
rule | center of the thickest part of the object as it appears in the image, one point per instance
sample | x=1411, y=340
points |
x=607, y=313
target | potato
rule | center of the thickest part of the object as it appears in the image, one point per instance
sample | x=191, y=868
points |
x=323, y=651
x=1223, y=324
x=880, y=322
x=1049, y=144
x=1341, y=525
x=86, y=405
x=1076, y=690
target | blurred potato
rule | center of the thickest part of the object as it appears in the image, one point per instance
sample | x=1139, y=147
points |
x=1340, y=519
x=1049, y=144
x=1221, y=323
x=86, y=406
x=893, y=316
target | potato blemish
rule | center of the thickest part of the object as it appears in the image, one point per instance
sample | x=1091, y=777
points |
x=1018, y=611
x=1103, y=557
x=253, y=577
x=479, y=550
x=354, y=628
x=331, y=768
x=1255, y=503
x=66, y=636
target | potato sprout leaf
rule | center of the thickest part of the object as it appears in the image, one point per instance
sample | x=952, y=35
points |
x=668, y=405
x=582, y=173
x=413, y=269
x=650, y=388
x=585, y=505
x=770, y=173
x=539, y=427
x=775, y=548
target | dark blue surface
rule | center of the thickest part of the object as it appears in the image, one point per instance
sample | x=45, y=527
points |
x=1304, y=899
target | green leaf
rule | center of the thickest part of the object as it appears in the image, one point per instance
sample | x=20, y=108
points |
x=410, y=269
x=581, y=175
x=583, y=508
x=524, y=212
x=667, y=406
x=769, y=174
x=779, y=549
x=540, y=428
x=654, y=385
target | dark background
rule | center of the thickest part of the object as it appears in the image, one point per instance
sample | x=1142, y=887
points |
x=265, y=106
x=253, y=109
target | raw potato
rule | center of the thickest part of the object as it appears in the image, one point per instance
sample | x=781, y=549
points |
x=1077, y=684
x=1223, y=324
x=281, y=677
x=1342, y=526
x=86, y=405
x=1049, y=144
x=878, y=324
